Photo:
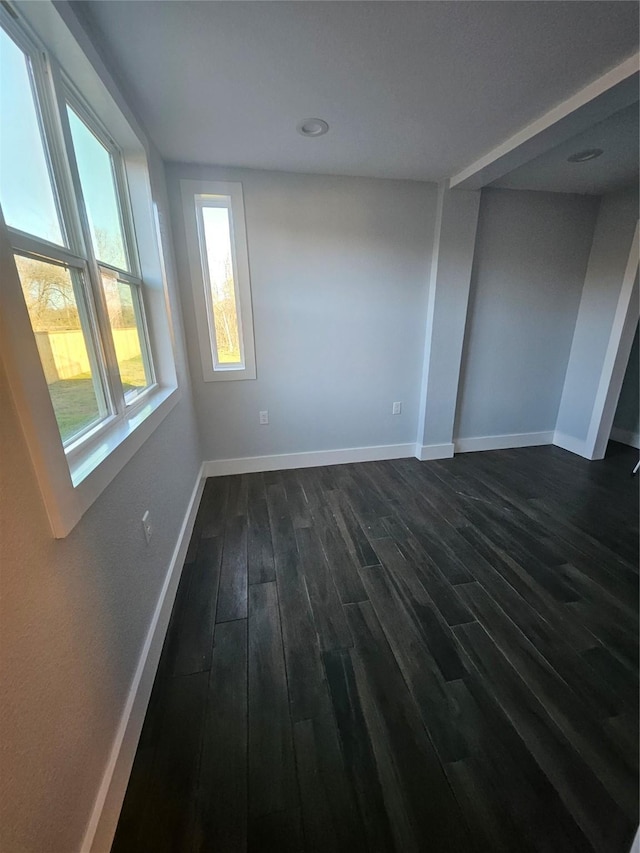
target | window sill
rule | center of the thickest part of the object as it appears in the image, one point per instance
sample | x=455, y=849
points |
x=222, y=374
x=134, y=428
x=92, y=468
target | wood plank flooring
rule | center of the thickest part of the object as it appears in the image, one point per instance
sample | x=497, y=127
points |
x=401, y=656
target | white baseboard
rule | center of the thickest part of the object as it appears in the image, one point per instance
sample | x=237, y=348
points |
x=626, y=436
x=425, y=452
x=502, y=442
x=284, y=461
x=98, y=837
x=573, y=445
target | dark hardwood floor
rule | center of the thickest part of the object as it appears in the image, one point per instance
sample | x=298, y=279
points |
x=408, y=656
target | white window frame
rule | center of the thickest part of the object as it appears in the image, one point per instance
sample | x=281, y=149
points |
x=227, y=194
x=131, y=276
x=72, y=477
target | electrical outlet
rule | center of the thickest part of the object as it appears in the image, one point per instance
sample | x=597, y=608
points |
x=397, y=409
x=264, y=417
x=146, y=526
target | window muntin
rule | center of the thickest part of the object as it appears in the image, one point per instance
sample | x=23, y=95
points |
x=221, y=279
x=64, y=342
x=29, y=201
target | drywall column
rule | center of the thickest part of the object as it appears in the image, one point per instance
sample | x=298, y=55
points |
x=454, y=243
x=626, y=422
x=604, y=330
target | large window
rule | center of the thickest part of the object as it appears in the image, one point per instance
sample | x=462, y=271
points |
x=219, y=265
x=67, y=210
x=68, y=238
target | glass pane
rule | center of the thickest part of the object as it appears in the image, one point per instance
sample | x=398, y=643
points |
x=126, y=325
x=100, y=194
x=217, y=237
x=51, y=301
x=26, y=190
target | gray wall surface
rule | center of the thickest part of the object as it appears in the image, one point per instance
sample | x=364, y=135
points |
x=612, y=243
x=627, y=415
x=339, y=277
x=75, y=613
x=531, y=255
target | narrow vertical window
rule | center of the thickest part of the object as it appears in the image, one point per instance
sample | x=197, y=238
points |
x=216, y=238
x=219, y=263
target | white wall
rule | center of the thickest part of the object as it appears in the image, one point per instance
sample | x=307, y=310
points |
x=75, y=613
x=339, y=275
x=531, y=255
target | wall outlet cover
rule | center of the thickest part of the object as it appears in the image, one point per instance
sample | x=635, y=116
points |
x=146, y=526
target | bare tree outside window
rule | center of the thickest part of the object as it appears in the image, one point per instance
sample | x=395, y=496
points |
x=217, y=235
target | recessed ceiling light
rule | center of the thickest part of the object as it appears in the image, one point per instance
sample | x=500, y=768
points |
x=583, y=156
x=312, y=127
